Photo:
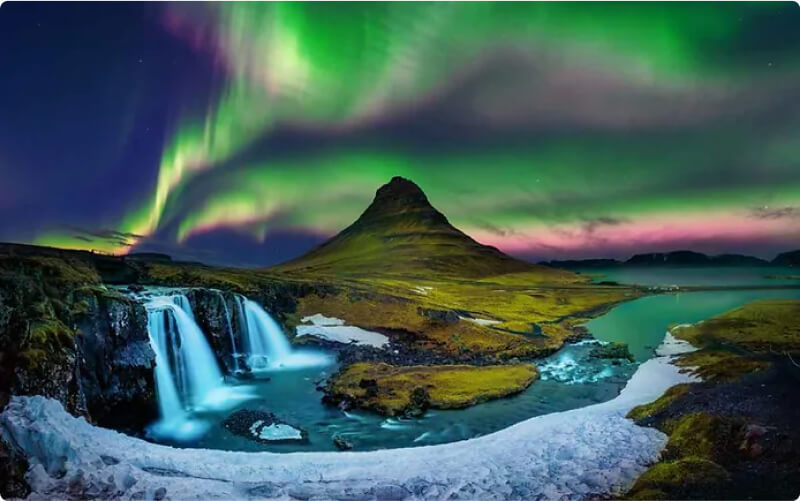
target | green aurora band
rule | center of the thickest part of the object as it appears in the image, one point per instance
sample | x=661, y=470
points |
x=622, y=120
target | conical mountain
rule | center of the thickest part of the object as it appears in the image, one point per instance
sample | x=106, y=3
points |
x=401, y=233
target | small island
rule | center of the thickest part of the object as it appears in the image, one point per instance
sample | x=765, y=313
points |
x=409, y=391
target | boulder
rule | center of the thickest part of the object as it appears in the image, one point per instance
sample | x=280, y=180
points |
x=613, y=351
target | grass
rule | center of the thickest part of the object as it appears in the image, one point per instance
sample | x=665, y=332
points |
x=647, y=410
x=719, y=365
x=384, y=304
x=390, y=390
x=766, y=326
x=701, y=444
x=687, y=478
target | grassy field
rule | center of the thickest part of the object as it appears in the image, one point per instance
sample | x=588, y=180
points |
x=391, y=390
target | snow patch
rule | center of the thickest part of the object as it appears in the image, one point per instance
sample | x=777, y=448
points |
x=422, y=289
x=586, y=452
x=323, y=321
x=279, y=431
x=344, y=334
x=673, y=346
x=481, y=321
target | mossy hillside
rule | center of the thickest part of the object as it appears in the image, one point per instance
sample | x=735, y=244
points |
x=693, y=465
x=763, y=327
x=529, y=321
x=715, y=450
x=392, y=390
x=719, y=365
x=44, y=301
x=647, y=410
x=686, y=478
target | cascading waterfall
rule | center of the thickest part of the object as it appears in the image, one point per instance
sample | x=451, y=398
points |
x=183, y=302
x=266, y=343
x=267, y=348
x=234, y=352
x=188, y=379
x=189, y=383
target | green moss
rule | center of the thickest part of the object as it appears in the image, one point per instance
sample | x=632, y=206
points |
x=49, y=332
x=766, y=326
x=702, y=435
x=648, y=410
x=690, y=477
x=33, y=358
x=390, y=389
x=719, y=365
x=392, y=305
x=647, y=494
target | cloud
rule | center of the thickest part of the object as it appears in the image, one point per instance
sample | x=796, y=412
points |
x=106, y=235
x=774, y=213
x=590, y=225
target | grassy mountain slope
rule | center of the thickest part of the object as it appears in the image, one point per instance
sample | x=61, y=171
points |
x=401, y=233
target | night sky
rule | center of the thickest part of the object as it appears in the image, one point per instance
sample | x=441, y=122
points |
x=247, y=133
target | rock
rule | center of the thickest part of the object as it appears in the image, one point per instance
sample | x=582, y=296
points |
x=13, y=467
x=439, y=316
x=136, y=288
x=419, y=403
x=613, y=351
x=220, y=317
x=754, y=431
x=342, y=444
x=263, y=427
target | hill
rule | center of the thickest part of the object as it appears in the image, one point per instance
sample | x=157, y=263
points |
x=789, y=258
x=401, y=233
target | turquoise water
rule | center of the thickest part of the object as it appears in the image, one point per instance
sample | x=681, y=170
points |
x=642, y=323
x=570, y=379
x=717, y=276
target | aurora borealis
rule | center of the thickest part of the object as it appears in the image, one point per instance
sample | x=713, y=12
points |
x=244, y=133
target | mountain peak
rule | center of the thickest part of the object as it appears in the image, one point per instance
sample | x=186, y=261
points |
x=398, y=195
x=401, y=232
x=399, y=186
x=401, y=202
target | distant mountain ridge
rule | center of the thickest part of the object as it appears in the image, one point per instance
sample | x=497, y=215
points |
x=679, y=258
x=400, y=231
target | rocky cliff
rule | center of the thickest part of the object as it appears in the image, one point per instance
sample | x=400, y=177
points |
x=66, y=336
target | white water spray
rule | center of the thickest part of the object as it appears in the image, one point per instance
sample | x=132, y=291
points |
x=267, y=346
x=188, y=379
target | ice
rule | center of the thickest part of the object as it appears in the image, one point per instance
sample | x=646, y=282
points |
x=334, y=329
x=591, y=451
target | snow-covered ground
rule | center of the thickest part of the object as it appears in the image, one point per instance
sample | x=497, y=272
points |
x=481, y=321
x=568, y=455
x=334, y=329
x=672, y=345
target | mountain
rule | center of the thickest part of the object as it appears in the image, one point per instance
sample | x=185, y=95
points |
x=683, y=258
x=789, y=258
x=402, y=233
x=690, y=258
x=583, y=263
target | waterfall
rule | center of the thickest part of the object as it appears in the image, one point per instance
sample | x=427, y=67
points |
x=266, y=342
x=183, y=302
x=188, y=379
x=234, y=353
x=267, y=346
x=170, y=405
